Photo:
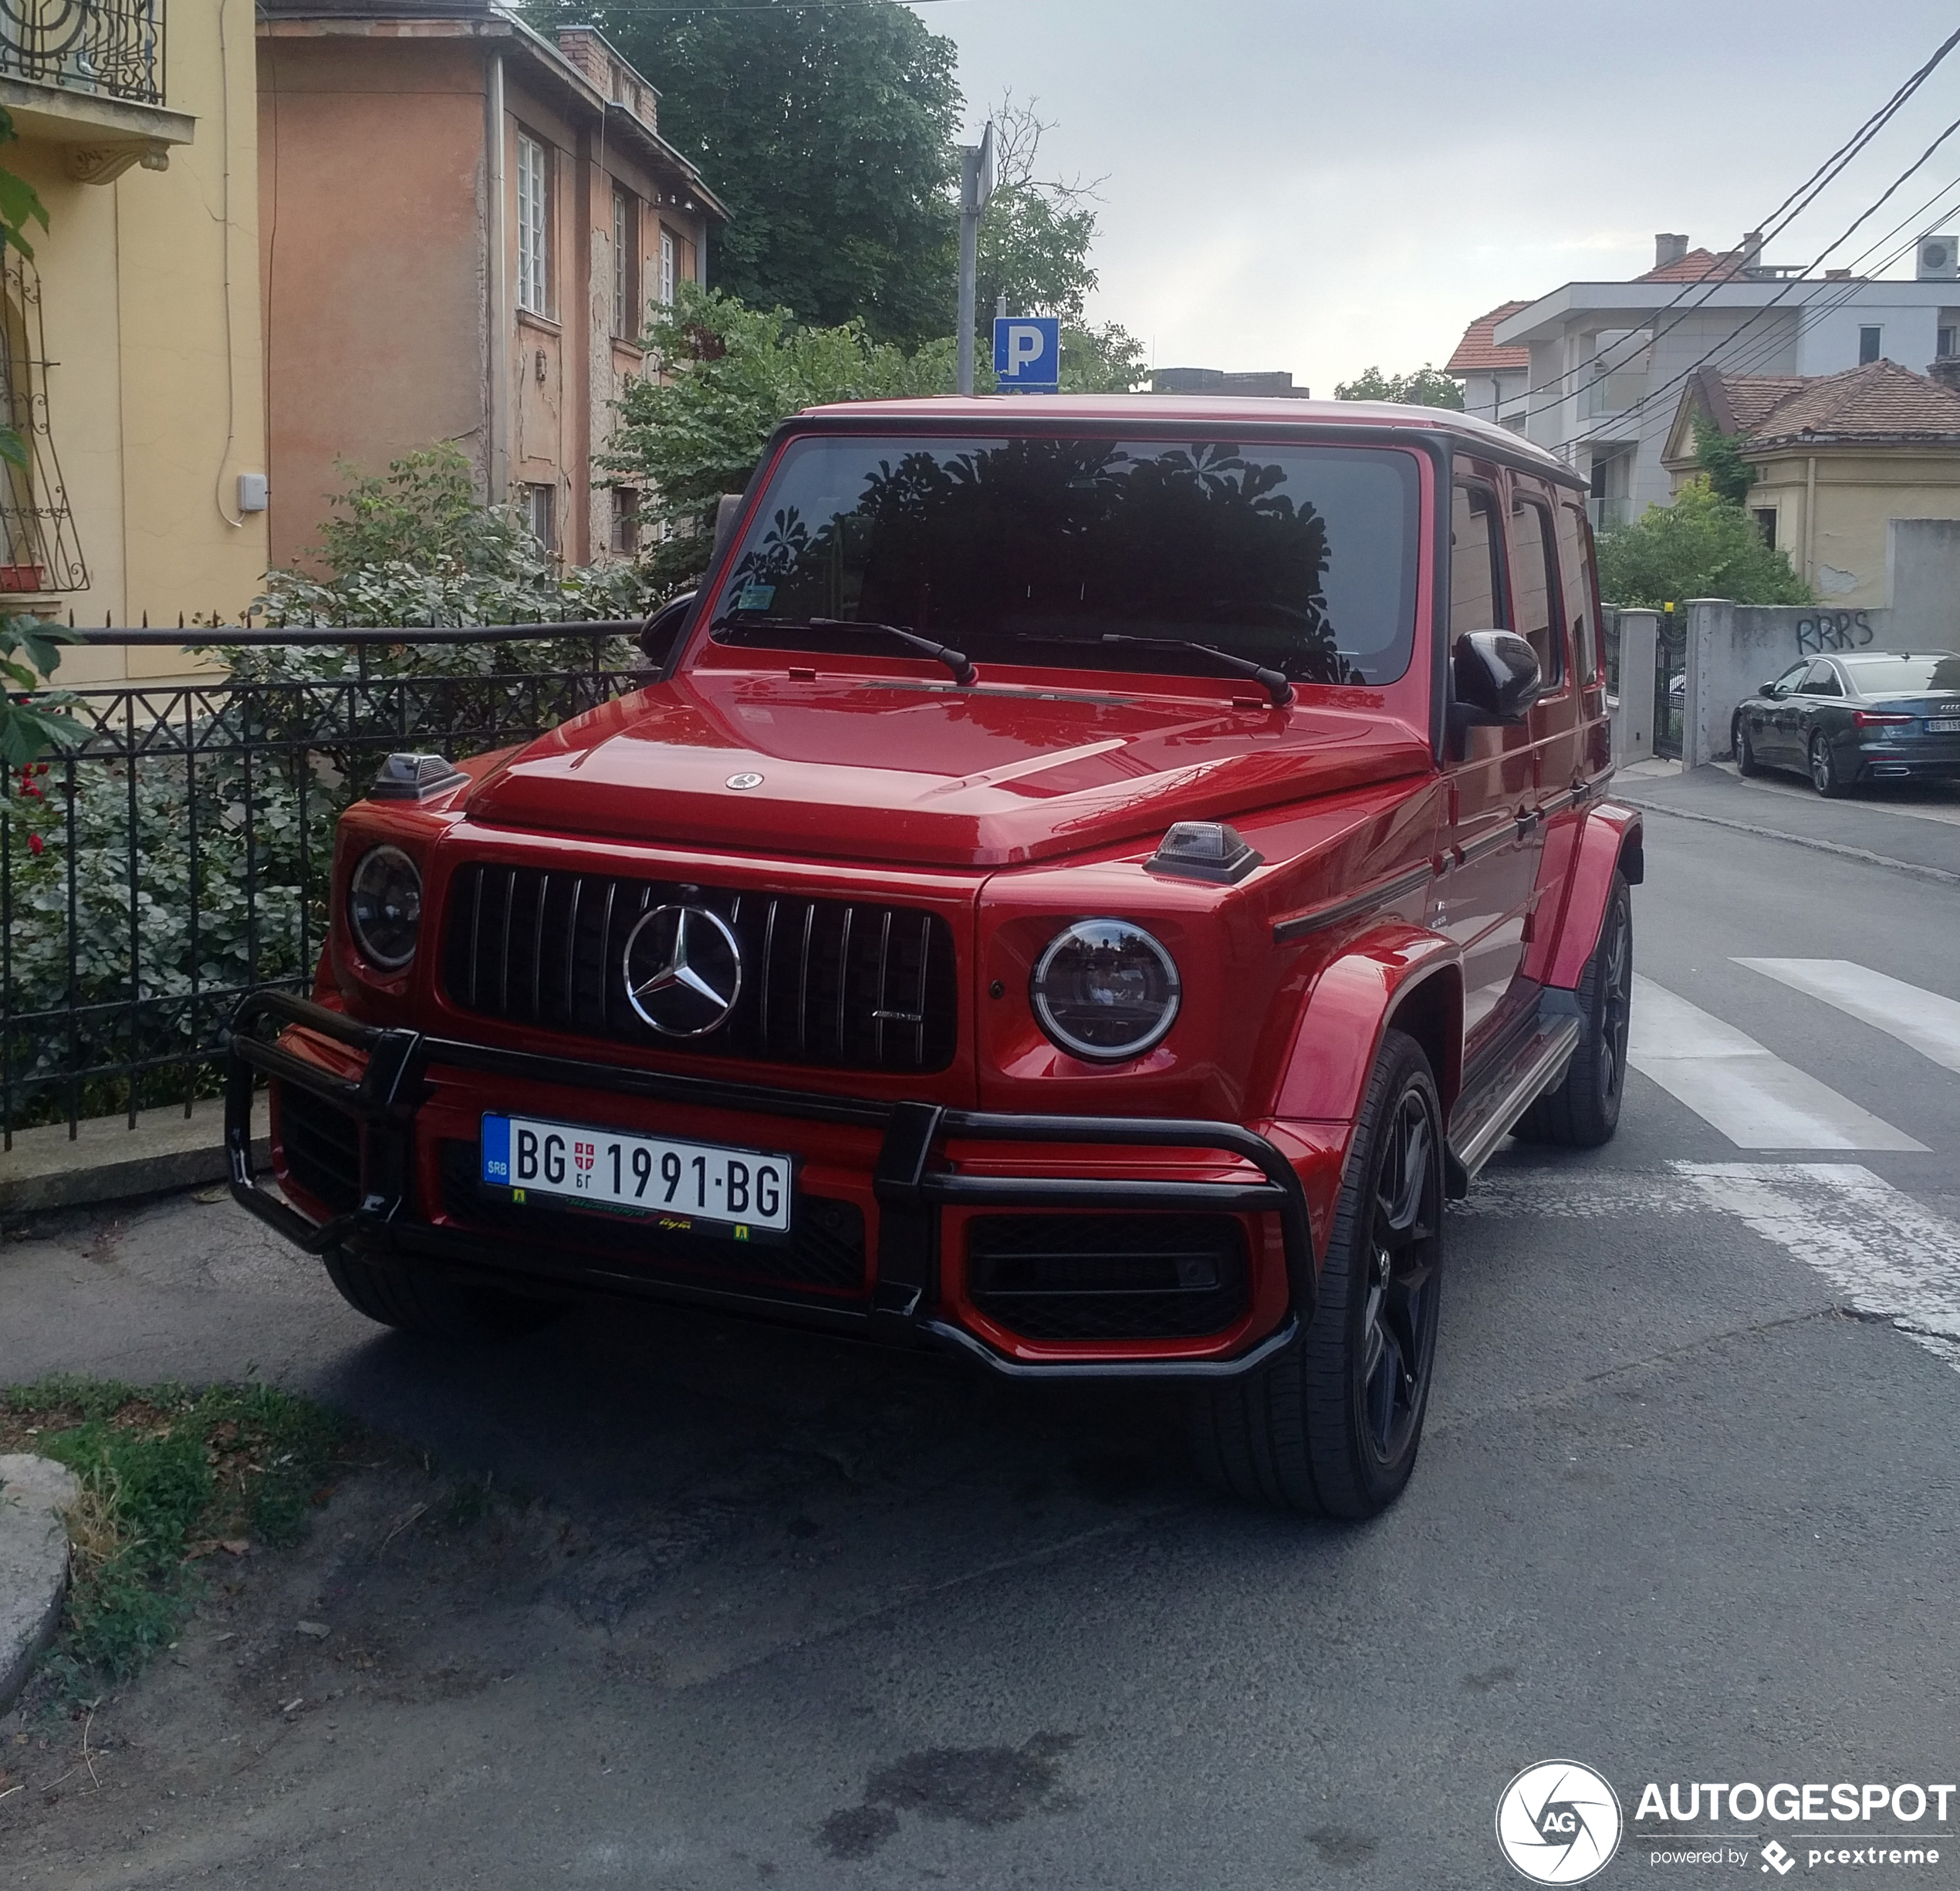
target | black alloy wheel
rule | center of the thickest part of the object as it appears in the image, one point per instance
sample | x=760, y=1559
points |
x=1582, y=1110
x=1746, y=760
x=1824, y=777
x=1331, y=1427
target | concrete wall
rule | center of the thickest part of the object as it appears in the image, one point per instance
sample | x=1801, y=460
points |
x=1733, y=649
x=1923, y=566
x=1842, y=549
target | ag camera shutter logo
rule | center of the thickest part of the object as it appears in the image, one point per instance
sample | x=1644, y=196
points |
x=1559, y=1822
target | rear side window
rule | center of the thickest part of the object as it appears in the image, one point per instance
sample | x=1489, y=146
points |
x=1476, y=571
x=1822, y=681
x=1535, y=587
x=1576, y=564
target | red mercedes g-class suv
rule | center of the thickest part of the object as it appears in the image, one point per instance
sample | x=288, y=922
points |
x=1089, y=878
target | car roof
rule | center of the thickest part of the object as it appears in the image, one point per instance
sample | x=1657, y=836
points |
x=1206, y=410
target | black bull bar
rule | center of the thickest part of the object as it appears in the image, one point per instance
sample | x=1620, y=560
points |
x=910, y=1190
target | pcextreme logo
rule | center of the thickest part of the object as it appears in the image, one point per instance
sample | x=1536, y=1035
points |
x=1559, y=1822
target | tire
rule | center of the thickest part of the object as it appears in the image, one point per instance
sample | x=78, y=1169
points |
x=1583, y=1110
x=1330, y=1427
x=1745, y=761
x=1824, y=777
x=406, y=1297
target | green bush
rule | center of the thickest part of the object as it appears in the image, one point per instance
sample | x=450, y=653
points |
x=1702, y=546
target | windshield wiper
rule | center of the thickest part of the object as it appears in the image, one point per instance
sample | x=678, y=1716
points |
x=956, y=661
x=1273, y=681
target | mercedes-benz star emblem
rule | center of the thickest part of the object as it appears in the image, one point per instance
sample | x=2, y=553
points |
x=682, y=969
x=748, y=779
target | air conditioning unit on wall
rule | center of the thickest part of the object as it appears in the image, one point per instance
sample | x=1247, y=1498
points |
x=1939, y=258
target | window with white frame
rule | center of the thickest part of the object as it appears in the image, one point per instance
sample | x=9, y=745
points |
x=533, y=225
x=540, y=514
x=669, y=253
x=626, y=261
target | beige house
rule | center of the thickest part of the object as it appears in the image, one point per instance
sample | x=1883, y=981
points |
x=131, y=360
x=1842, y=461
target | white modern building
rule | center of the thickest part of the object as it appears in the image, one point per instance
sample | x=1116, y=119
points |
x=1608, y=361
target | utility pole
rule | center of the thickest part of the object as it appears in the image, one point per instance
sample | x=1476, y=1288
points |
x=976, y=186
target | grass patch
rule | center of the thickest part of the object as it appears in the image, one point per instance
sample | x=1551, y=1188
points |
x=170, y=1477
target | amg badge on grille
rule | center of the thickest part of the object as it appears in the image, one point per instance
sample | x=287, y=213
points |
x=683, y=968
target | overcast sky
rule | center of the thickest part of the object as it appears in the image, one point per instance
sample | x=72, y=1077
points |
x=1297, y=185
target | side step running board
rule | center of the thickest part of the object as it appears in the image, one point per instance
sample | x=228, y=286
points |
x=1535, y=1066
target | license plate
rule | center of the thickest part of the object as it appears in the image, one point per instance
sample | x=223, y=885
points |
x=690, y=1185
x=1946, y=725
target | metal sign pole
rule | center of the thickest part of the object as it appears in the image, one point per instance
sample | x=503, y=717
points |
x=976, y=186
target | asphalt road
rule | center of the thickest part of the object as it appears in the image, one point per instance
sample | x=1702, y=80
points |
x=817, y=1616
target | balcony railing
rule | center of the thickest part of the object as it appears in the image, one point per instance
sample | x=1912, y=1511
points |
x=1611, y=394
x=1607, y=515
x=112, y=49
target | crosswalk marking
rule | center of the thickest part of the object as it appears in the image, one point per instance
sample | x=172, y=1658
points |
x=1872, y=1242
x=1922, y=1020
x=1744, y=1090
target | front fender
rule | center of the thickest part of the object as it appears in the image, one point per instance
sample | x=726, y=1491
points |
x=1397, y=969
x=1610, y=838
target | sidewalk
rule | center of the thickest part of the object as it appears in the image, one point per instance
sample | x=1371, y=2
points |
x=1914, y=828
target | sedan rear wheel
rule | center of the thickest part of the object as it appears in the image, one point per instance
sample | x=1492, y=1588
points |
x=1824, y=777
x=1331, y=1427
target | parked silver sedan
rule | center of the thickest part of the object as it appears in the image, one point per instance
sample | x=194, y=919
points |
x=1875, y=716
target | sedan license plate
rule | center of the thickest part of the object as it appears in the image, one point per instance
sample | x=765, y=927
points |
x=1946, y=725
x=739, y=1191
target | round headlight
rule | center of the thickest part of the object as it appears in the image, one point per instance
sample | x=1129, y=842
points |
x=384, y=906
x=1105, y=990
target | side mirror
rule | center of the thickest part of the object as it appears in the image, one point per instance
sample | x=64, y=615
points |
x=726, y=509
x=661, y=632
x=1494, y=680
x=1771, y=688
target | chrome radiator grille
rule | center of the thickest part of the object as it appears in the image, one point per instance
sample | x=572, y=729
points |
x=850, y=984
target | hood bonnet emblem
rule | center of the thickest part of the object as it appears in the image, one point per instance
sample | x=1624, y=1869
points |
x=745, y=780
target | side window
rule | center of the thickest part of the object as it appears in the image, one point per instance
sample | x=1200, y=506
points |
x=1476, y=573
x=1822, y=681
x=1575, y=566
x=1790, y=678
x=1535, y=585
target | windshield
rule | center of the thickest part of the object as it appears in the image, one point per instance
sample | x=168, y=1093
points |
x=1888, y=675
x=1032, y=550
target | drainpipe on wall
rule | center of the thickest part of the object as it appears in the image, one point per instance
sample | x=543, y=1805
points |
x=1810, y=521
x=497, y=363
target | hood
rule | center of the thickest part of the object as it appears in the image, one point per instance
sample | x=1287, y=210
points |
x=871, y=768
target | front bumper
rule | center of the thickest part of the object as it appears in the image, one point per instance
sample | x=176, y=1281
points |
x=910, y=1179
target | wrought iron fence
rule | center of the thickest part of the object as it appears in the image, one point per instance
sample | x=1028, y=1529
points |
x=114, y=48
x=177, y=857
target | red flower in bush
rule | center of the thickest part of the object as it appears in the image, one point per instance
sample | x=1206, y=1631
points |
x=35, y=843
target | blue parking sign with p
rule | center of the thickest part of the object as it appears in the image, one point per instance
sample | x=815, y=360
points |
x=1027, y=354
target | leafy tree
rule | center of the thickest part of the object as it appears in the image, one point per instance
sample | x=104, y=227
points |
x=731, y=373
x=1702, y=546
x=829, y=132
x=1423, y=387
x=1730, y=475
x=1035, y=240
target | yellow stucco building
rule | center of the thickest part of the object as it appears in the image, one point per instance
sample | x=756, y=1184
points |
x=1846, y=466
x=133, y=351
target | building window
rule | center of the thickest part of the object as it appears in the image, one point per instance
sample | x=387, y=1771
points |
x=1948, y=342
x=533, y=225
x=669, y=254
x=540, y=514
x=626, y=265
x=625, y=520
x=1766, y=523
x=1869, y=343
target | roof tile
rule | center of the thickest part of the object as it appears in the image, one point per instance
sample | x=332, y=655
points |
x=1478, y=353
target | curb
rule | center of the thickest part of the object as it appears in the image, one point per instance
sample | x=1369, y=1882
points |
x=108, y=1161
x=34, y=1492
x=1940, y=875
